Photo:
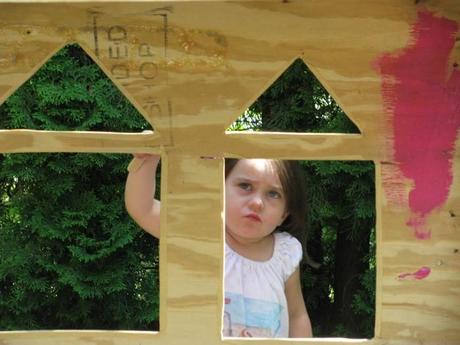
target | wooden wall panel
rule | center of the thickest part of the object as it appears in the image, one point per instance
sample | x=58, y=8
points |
x=192, y=67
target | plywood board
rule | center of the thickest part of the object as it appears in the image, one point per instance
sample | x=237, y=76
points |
x=191, y=67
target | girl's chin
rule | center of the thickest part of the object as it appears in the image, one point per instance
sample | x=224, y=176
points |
x=249, y=235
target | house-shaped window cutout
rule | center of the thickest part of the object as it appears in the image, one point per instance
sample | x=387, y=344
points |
x=70, y=92
x=66, y=241
x=311, y=107
x=338, y=271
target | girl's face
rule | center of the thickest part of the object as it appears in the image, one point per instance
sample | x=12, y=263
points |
x=255, y=203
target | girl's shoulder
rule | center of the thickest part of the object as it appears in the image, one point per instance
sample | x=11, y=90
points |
x=285, y=241
x=288, y=251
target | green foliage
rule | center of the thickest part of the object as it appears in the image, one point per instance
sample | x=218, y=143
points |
x=70, y=257
x=249, y=121
x=341, y=200
x=297, y=102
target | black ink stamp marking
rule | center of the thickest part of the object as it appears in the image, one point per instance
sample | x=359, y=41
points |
x=117, y=55
x=120, y=71
x=165, y=31
x=144, y=50
x=96, y=39
x=151, y=105
x=117, y=33
x=148, y=70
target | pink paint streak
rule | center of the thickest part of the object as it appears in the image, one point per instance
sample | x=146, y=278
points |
x=422, y=273
x=421, y=91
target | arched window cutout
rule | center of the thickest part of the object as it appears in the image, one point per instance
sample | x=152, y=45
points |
x=312, y=108
x=70, y=92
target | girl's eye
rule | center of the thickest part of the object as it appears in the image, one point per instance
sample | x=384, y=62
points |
x=274, y=194
x=244, y=186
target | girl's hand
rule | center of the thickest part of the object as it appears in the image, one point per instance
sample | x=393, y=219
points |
x=146, y=156
x=140, y=159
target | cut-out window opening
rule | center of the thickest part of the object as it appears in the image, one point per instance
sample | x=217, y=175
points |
x=295, y=102
x=70, y=92
x=339, y=267
x=70, y=255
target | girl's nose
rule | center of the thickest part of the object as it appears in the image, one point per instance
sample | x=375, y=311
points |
x=256, y=203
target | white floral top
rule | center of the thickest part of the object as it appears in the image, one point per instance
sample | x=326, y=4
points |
x=255, y=301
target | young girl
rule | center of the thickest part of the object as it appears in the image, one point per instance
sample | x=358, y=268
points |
x=263, y=200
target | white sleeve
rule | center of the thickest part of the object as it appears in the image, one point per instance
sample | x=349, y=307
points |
x=291, y=252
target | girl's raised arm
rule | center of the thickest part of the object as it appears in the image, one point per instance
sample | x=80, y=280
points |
x=139, y=193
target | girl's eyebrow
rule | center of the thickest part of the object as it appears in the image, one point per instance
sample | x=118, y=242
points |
x=245, y=178
x=278, y=189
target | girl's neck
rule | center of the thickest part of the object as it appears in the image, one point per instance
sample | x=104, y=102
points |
x=256, y=250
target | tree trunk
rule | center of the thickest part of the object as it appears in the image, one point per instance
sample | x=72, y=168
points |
x=349, y=267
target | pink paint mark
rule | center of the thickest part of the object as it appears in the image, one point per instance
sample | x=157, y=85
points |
x=421, y=91
x=393, y=183
x=422, y=273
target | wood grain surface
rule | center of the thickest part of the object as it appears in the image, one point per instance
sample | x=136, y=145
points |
x=192, y=67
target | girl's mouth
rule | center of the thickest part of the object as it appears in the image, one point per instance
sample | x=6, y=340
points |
x=254, y=217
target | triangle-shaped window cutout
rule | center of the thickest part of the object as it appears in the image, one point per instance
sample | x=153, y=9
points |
x=295, y=102
x=70, y=92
